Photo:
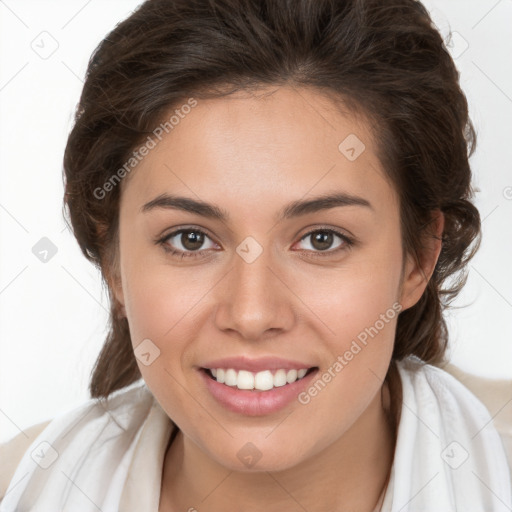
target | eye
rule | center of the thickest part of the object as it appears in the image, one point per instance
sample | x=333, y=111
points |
x=323, y=239
x=188, y=242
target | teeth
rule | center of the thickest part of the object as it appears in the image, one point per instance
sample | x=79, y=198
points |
x=262, y=381
x=231, y=377
x=245, y=380
x=280, y=378
x=291, y=376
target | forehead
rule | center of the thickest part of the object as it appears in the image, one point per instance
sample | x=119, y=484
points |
x=276, y=142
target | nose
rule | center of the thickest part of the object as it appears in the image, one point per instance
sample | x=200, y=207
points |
x=255, y=301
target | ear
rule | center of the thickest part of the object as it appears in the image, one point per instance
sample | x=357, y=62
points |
x=417, y=272
x=117, y=291
x=115, y=285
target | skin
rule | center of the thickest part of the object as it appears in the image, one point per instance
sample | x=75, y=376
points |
x=251, y=155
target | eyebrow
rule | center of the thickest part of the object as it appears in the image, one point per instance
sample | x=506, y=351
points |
x=291, y=210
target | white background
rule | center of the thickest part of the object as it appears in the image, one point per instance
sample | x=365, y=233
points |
x=53, y=315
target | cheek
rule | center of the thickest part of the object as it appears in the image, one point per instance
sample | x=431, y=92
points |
x=354, y=297
x=159, y=301
x=361, y=306
x=162, y=301
x=159, y=306
x=358, y=307
x=361, y=314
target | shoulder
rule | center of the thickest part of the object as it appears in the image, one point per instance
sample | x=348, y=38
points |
x=496, y=395
x=93, y=419
x=13, y=450
x=489, y=397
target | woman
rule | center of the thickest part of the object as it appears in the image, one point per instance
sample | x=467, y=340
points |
x=276, y=194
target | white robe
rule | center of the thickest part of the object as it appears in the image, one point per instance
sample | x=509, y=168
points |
x=448, y=458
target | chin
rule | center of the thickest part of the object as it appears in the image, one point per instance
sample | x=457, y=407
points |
x=258, y=457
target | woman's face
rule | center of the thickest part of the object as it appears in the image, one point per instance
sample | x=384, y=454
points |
x=271, y=287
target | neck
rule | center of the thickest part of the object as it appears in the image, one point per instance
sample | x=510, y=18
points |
x=349, y=475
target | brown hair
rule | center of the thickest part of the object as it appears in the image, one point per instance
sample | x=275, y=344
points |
x=384, y=59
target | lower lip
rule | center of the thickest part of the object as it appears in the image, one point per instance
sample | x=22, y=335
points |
x=256, y=403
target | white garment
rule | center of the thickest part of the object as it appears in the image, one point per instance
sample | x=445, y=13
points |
x=448, y=458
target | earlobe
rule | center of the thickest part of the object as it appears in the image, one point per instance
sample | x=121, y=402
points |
x=418, y=271
x=119, y=297
x=117, y=294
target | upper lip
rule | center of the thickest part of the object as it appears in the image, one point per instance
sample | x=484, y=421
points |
x=256, y=365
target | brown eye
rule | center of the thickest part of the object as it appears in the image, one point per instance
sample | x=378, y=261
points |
x=186, y=242
x=322, y=240
x=192, y=240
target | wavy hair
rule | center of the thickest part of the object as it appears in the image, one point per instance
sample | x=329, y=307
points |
x=385, y=59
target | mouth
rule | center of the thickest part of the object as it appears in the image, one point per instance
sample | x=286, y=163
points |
x=264, y=380
x=259, y=392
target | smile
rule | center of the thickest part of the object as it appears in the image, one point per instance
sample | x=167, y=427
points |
x=258, y=392
x=260, y=381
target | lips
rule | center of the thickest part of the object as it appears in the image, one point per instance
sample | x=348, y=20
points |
x=256, y=386
x=257, y=365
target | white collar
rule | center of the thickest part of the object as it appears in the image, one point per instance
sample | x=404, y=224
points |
x=111, y=456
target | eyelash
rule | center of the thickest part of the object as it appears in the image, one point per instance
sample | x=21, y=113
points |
x=347, y=245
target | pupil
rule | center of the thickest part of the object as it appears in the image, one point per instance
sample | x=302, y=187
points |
x=192, y=240
x=322, y=240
